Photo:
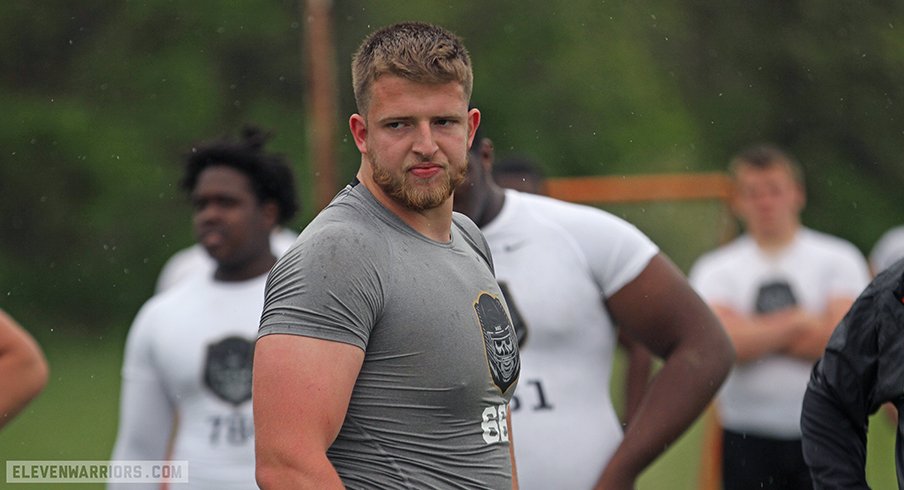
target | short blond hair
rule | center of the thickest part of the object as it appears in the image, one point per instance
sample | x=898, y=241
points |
x=415, y=51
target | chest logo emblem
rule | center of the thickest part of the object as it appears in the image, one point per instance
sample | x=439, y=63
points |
x=227, y=369
x=499, y=339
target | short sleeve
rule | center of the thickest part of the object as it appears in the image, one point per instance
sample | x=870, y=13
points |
x=617, y=252
x=327, y=286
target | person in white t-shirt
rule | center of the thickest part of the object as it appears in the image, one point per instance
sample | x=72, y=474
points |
x=570, y=274
x=779, y=289
x=188, y=354
x=887, y=250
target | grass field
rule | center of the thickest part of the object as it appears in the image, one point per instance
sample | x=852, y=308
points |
x=75, y=419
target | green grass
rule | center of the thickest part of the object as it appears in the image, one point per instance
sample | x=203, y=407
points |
x=75, y=417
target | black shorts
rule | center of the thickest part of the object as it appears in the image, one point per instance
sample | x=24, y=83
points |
x=755, y=462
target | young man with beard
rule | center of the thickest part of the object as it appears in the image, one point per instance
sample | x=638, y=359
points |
x=188, y=355
x=576, y=277
x=386, y=358
x=779, y=289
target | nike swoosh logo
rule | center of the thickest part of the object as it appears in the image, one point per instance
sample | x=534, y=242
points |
x=511, y=247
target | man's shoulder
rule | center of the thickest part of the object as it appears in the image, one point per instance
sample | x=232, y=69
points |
x=165, y=309
x=341, y=223
x=347, y=213
x=572, y=217
x=337, y=233
x=828, y=243
x=182, y=265
x=727, y=257
x=546, y=204
x=179, y=294
x=465, y=224
x=194, y=252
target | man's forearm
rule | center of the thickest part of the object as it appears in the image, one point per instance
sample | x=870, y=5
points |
x=754, y=337
x=678, y=394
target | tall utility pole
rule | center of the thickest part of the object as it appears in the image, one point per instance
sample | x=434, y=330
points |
x=321, y=76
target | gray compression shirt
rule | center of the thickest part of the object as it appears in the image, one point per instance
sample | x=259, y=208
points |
x=429, y=407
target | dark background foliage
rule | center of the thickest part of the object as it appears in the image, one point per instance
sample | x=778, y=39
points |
x=101, y=98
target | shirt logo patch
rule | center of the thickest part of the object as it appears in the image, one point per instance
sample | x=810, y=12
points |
x=227, y=369
x=499, y=339
x=511, y=247
x=774, y=296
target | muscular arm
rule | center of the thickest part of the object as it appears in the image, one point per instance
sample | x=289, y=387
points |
x=23, y=369
x=661, y=310
x=640, y=363
x=302, y=387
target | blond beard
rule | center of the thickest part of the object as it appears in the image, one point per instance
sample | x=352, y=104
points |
x=405, y=193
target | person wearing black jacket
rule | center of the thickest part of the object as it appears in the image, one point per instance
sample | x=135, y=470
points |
x=862, y=368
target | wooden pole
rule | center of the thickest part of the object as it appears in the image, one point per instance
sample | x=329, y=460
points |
x=321, y=75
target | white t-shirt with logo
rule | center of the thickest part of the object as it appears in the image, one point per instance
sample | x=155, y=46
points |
x=188, y=358
x=764, y=397
x=557, y=262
